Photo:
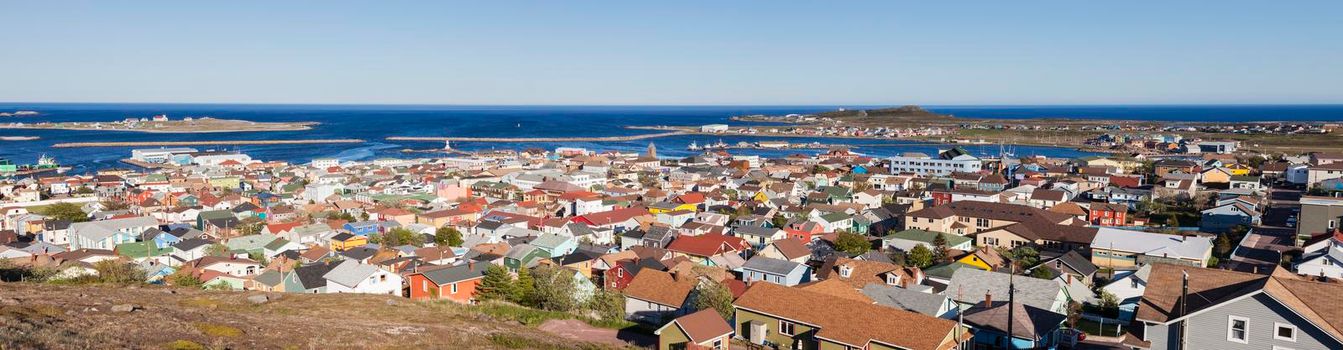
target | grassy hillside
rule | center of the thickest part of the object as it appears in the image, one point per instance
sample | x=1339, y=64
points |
x=44, y=316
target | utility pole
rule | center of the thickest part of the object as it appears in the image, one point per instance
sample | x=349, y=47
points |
x=1184, y=296
x=1011, y=302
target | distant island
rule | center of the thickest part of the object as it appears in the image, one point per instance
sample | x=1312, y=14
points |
x=917, y=123
x=162, y=124
x=18, y=114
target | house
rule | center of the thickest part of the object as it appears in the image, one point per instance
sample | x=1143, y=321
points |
x=1226, y=216
x=1128, y=249
x=983, y=258
x=930, y=304
x=704, y=329
x=107, y=234
x=787, y=249
x=1039, y=293
x=1326, y=262
x=345, y=241
x=1200, y=308
x=354, y=277
x=1039, y=234
x=456, y=283
x=761, y=268
x=946, y=162
x=1108, y=214
x=908, y=239
x=1072, y=264
x=774, y=315
x=1033, y=328
x=700, y=248
x=964, y=218
x=1319, y=216
x=655, y=296
x=1128, y=287
x=759, y=236
x=307, y=278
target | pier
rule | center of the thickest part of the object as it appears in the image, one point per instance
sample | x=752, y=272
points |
x=538, y=139
x=202, y=143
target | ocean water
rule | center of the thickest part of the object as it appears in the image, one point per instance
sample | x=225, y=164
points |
x=374, y=123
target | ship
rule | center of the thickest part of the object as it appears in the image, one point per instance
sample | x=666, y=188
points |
x=45, y=165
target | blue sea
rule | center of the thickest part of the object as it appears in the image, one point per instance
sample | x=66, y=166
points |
x=374, y=123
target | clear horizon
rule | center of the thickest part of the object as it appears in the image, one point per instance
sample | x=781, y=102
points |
x=752, y=53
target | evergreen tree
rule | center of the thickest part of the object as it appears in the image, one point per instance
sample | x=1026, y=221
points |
x=524, y=287
x=940, y=250
x=496, y=285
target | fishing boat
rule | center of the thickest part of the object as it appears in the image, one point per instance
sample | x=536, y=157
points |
x=693, y=146
x=45, y=165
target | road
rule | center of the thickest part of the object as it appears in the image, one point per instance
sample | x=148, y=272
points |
x=1262, y=248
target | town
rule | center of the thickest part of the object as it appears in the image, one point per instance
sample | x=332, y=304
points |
x=1200, y=246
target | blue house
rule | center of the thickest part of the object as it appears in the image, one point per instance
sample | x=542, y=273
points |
x=1040, y=328
x=777, y=271
x=1223, y=217
x=161, y=239
x=363, y=228
x=859, y=169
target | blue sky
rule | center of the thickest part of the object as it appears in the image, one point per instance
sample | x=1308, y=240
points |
x=673, y=52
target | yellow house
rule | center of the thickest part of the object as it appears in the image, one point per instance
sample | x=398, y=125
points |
x=1239, y=170
x=1217, y=176
x=344, y=241
x=760, y=197
x=984, y=258
x=226, y=182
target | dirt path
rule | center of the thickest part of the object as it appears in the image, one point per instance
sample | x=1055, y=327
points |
x=581, y=331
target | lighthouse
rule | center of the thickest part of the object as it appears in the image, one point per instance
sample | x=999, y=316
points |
x=447, y=145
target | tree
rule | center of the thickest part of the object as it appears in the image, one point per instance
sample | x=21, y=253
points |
x=217, y=249
x=940, y=250
x=1025, y=256
x=496, y=285
x=110, y=204
x=1172, y=221
x=609, y=305
x=65, y=211
x=1043, y=273
x=113, y=271
x=778, y=221
x=251, y=226
x=852, y=243
x=919, y=256
x=554, y=289
x=448, y=236
x=1223, y=244
x=184, y=278
x=401, y=236
x=713, y=295
x=524, y=287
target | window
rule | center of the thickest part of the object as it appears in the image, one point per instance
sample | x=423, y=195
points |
x=1283, y=331
x=424, y=285
x=786, y=328
x=1236, y=329
x=382, y=278
x=454, y=288
x=1332, y=224
x=718, y=344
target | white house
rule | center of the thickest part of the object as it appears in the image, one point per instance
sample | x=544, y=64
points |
x=107, y=234
x=1325, y=261
x=354, y=277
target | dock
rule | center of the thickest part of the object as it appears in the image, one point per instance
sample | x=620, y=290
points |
x=538, y=139
x=203, y=143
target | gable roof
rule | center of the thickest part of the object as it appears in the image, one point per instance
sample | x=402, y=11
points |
x=660, y=287
x=701, y=326
x=349, y=273
x=1208, y=288
x=835, y=318
x=457, y=273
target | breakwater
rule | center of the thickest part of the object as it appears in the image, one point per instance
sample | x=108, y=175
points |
x=202, y=143
x=538, y=139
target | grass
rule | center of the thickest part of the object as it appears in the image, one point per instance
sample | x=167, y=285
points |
x=181, y=344
x=535, y=317
x=1093, y=328
x=511, y=341
x=219, y=330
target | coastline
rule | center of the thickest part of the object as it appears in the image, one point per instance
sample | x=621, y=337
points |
x=202, y=143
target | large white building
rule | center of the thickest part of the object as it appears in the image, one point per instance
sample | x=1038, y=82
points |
x=946, y=162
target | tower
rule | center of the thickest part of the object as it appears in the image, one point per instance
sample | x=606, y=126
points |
x=652, y=150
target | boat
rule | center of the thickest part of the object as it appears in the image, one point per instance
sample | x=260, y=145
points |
x=45, y=165
x=693, y=146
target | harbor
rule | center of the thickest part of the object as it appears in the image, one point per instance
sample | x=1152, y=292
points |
x=202, y=143
x=537, y=139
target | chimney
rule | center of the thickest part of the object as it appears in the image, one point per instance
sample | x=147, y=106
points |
x=988, y=300
x=470, y=264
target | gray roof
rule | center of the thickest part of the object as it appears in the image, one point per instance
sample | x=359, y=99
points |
x=456, y=273
x=311, y=275
x=1153, y=244
x=349, y=273
x=98, y=230
x=755, y=231
x=771, y=265
x=970, y=285
x=900, y=298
